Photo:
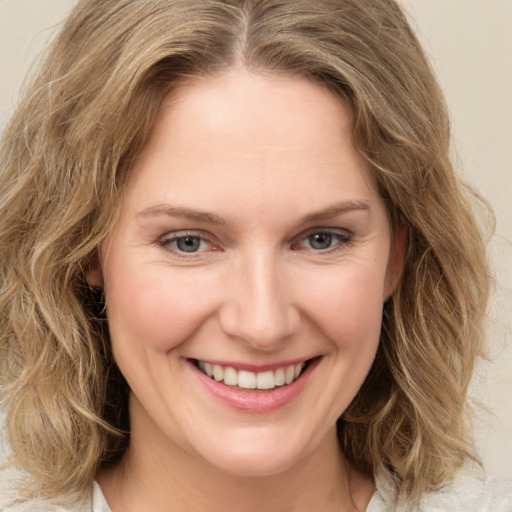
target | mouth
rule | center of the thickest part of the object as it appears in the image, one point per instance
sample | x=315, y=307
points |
x=248, y=380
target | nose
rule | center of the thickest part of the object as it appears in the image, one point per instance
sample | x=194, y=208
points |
x=258, y=308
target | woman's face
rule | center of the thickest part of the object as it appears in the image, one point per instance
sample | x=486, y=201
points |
x=251, y=244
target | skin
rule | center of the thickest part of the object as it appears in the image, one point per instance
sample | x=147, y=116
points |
x=270, y=160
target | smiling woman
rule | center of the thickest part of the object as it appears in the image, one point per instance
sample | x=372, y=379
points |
x=237, y=269
x=262, y=259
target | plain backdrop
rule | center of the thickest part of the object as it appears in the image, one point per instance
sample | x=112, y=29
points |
x=470, y=45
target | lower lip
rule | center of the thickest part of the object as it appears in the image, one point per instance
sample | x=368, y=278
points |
x=255, y=401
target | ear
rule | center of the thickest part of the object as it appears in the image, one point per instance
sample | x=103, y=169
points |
x=395, y=266
x=94, y=273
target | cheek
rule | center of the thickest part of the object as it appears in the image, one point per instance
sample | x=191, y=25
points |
x=157, y=309
x=347, y=304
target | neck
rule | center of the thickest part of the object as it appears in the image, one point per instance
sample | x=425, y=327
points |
x=156, y=474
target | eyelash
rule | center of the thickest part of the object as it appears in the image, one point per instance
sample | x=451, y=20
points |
x=336, y=238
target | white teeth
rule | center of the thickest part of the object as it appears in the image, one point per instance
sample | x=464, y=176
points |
x=251, y=380
x=246, y=379
x=208, y=369
x=230, y=376
x=289, y=374
x=279, y=377
x=265, y=380
x=218, y=372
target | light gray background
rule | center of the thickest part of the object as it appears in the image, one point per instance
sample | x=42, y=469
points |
x=470, y=43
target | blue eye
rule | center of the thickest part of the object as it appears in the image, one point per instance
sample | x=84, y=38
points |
x=323, y=240
x=320, y=241
x=186, y=243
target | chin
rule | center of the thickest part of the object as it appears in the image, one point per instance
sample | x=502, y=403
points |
x=256, y=465
x=253, y=457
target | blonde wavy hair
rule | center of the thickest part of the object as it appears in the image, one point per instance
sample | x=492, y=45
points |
x=65, y=157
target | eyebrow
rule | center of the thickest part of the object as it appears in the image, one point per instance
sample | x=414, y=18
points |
x=186, y=213
x=335, y=210
x=212, y=218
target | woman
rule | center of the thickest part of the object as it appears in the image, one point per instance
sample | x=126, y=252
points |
x=237, y=267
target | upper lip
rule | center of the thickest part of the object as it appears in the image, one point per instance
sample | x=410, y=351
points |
x=256, y=368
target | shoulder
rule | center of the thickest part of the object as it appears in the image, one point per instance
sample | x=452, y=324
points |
x=9, y=483
x=10, y=480
x=13, y=505
x=95, y=502
x=468, y=494
x=464, y=494
x=11, y=502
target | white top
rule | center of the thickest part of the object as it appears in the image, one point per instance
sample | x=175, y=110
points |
x=466, y=494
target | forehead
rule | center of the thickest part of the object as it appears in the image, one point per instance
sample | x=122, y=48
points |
x=286, y=105
x=253, y=133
